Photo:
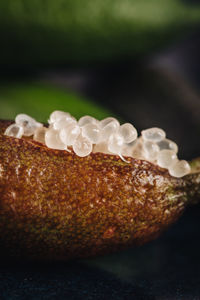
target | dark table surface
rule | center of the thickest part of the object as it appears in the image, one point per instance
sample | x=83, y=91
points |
x=167, y=268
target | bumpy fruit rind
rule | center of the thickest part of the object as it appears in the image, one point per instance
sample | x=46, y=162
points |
x=56, y=205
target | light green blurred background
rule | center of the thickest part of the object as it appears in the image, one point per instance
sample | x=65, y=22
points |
x=39, y=100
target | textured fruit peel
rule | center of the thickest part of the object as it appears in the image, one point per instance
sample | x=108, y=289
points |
x=56, y=205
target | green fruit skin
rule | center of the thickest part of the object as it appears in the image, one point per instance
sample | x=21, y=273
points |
x=55, y=205
x=57, y=32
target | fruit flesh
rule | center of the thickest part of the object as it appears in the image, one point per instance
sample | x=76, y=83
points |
x=56, y=205
x=64, y=131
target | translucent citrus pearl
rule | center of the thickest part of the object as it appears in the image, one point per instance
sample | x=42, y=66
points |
x=106, y=135
x=101, y=147
x=92, y=132
x=115, y=143
x=82, y=146
x=127, y=148
x=64, y=122
x=87, y=120
x=138, y=149
x=57, y=115
x=168, y=145
x=15, y=131
x=52, y=140
x=111, y=128
x=106, y=121
x=128, y=132
x=166, y=158
x=29, y=124
x=180, y=169
x=153, y=134
x=151, y=150
x=39, y=134
x=69, y=134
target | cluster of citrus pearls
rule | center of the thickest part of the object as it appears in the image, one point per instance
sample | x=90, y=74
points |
x=91, y=135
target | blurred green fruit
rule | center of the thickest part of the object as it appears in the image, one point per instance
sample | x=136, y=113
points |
x=74, y=31
x=40, y=100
